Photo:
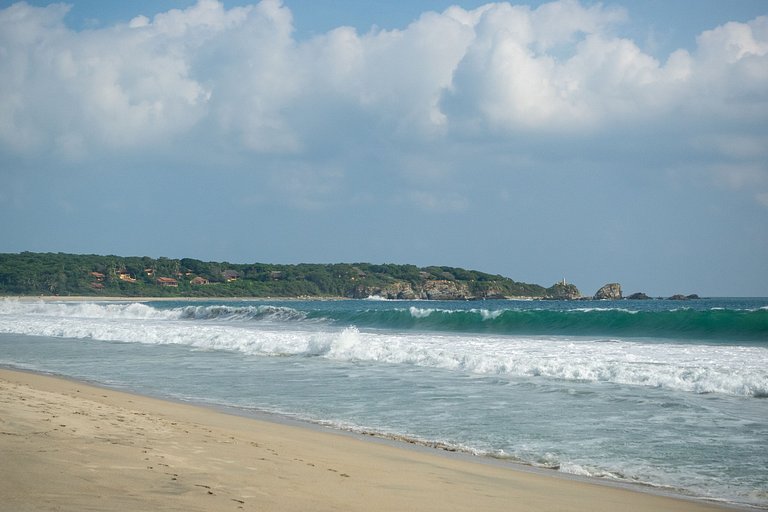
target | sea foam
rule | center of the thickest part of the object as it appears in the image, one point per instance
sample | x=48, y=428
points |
x=281, y=331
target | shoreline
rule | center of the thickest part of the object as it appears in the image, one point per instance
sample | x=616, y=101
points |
x=76, y=445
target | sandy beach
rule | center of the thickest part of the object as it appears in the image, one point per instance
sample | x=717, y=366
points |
x=66, y=446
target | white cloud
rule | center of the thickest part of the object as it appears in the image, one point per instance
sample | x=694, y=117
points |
x=396, y=76
x=111, y=88
x=252, y=71
x=237, y=80
x=510, y=80
x=138, y=22
x=557, y=23
x=730, y=71
x=732, y=42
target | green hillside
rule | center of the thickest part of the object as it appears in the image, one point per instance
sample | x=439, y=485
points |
x=62, y=274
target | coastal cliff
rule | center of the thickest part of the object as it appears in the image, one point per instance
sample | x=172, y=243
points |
x=438, y=289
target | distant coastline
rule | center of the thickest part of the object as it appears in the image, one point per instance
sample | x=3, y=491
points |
x=124, y=298
x=93, y=276
x=62, y=276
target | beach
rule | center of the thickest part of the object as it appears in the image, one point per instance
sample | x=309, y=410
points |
x=67, y=445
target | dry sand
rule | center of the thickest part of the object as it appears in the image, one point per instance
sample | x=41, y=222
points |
x=68, y=446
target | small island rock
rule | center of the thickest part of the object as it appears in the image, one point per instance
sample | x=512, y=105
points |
x=639, y=296
x=680, y=296
x=611, y=291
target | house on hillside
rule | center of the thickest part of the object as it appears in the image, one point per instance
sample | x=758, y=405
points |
x=230, y=275
x=125, y=276
x=167, y=281
x=199, y=281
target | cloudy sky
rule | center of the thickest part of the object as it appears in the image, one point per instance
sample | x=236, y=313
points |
x=597, y=142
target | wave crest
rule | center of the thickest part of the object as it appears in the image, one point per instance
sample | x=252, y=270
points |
x=267, y=330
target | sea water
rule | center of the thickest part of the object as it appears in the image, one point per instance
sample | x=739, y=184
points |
x=660, y=393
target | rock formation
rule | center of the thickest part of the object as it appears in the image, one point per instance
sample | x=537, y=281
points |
x=639, y=296
x=679, y=296
x=611, y=291
x=563, y=291
x=397, y=290
x=445, y=290
x=431, y=290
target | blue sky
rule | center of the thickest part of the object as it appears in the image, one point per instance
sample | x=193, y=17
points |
x=600, y=142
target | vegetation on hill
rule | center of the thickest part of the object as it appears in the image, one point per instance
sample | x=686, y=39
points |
x=62, y=274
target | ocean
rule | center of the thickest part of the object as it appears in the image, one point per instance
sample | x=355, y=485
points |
x=660, y=393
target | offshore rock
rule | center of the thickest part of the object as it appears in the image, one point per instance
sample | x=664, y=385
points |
x=610, y=291
x=639, y=296
x=679, y=296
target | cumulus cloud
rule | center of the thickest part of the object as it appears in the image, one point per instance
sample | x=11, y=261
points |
x=509, y=79
x=396, y=75
x=73, y=92
x=238, y=80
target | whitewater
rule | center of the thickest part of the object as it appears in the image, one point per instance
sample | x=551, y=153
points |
x=660, y=393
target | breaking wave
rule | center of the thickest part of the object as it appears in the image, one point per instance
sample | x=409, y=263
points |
x=715, y=324
x=681, y=324
x=284, y=331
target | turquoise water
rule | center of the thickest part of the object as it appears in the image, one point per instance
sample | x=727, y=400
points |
x=662, y=393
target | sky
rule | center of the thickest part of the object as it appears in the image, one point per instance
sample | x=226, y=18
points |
x=596, y=142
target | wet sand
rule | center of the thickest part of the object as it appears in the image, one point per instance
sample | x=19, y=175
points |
x=69, y=446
